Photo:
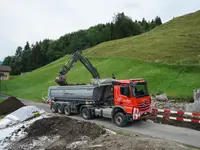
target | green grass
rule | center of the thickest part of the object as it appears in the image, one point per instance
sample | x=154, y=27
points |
x=177, y=81
x=1, y=100
x=175, y=42
x=2, y=116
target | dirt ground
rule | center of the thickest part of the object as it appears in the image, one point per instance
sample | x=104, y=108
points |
x=63, y=133
x=9, y=105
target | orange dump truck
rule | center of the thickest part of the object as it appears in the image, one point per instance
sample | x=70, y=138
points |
x=119, y=100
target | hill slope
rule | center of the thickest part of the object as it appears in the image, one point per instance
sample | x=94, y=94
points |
x=176, y=41
x=176, y=81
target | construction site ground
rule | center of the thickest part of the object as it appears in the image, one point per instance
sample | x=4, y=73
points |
x=61, y=132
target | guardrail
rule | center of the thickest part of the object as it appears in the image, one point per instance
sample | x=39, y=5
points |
x=191, y=114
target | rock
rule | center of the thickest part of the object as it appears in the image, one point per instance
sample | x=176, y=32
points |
x=162, y=97
x=76, y=144
x=108, y=131
x=95, y=146
x=18, y=130
x=194, y=107
x=196, y=95
x=172, y=101
x=167, y=105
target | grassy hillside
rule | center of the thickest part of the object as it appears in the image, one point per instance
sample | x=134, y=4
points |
x=176, y=81
x=176, y=41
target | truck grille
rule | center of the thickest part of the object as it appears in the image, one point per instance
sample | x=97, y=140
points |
x=144, y=105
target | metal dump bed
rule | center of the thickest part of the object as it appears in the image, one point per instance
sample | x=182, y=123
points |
x=76, y=92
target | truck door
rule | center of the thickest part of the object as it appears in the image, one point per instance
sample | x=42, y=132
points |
x=126, y=98
x=123, y=98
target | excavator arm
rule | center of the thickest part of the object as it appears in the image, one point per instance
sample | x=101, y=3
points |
x=77, y=56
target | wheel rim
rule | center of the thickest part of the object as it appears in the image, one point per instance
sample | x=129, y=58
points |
x=85, y=114
x=119, y=120
x=53, y=108
x=66, y=111
x=60, y=109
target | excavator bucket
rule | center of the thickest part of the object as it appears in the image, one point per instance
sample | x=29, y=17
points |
x=61, y=80
x=77, y=56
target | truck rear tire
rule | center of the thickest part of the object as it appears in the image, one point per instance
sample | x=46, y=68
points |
x=54, y=108
x=60, y=109
x=67, y=110
x=86, y=114
x=120, y=119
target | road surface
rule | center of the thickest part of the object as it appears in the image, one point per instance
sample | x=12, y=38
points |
x=182, y=135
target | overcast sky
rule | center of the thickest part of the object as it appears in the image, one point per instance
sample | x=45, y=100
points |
x=34, y=20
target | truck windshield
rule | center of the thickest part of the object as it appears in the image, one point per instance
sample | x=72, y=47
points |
x=140, y=90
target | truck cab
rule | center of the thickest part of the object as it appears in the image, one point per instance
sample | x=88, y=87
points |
x=128, y=98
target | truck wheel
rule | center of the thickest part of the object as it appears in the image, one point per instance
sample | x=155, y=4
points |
x=85, y=113
x=54, y=108
x=67, y=110
x=60, y=109
x=120, y=119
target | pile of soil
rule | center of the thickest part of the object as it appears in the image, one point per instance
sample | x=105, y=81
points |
x=133, y=142
x=9, y=105
x=63, y=133
x=65, y=127
x=69, y=130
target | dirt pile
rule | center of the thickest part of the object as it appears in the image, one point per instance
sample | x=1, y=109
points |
x=69, y=130
x=133, y=142
x=9, y=105
x=63, y=133
x=65, y=127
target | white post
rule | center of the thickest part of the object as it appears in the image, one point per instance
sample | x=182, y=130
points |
x=196, y=95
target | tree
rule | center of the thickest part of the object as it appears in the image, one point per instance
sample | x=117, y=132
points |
x=7, y=61
x=15, y=64
x=124, y=26
x=27, y=47
x=144, y=25
x=152, y=25
x=18, y=52
x=158, y=21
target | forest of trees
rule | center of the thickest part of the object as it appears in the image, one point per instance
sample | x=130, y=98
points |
x=36, y=55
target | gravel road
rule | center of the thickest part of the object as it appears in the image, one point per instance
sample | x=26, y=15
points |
x=182, y=135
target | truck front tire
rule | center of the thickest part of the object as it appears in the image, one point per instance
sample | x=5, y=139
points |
x=86, y=114
x=120, y=119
